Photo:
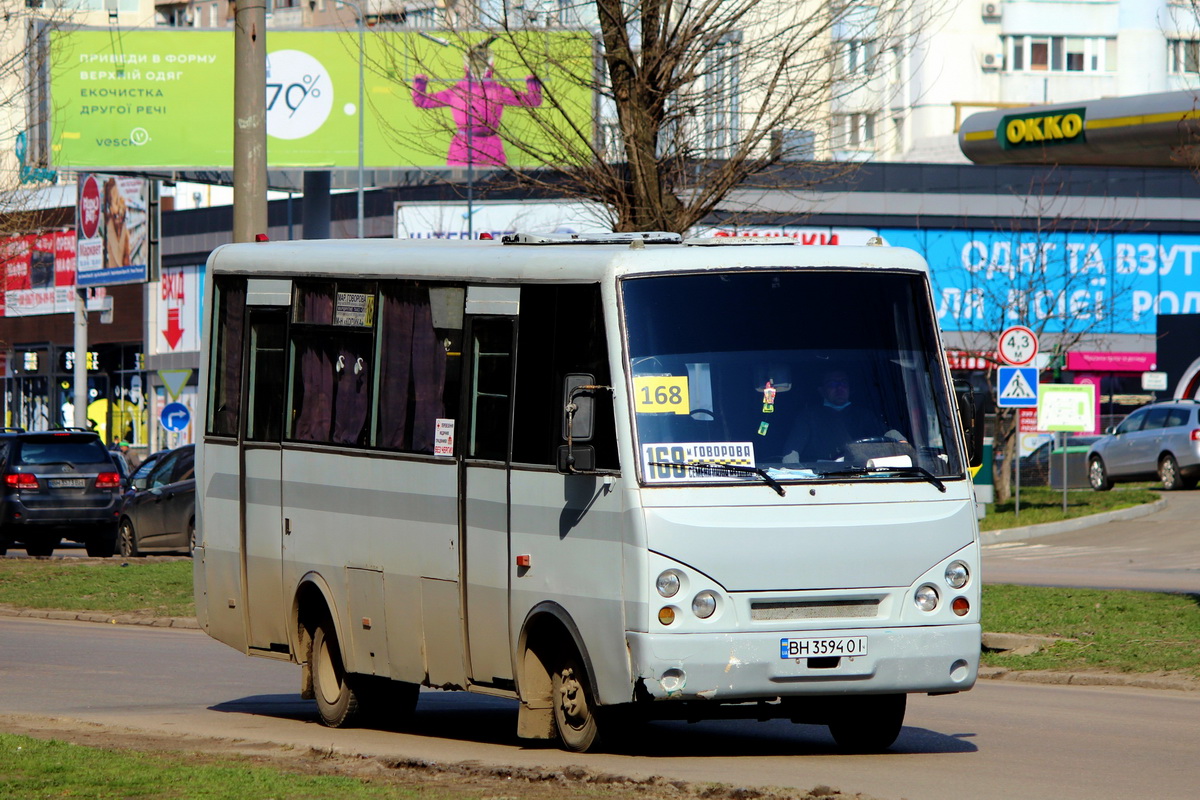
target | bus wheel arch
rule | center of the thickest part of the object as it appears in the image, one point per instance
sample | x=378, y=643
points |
x=312, y=607
x=556, y=681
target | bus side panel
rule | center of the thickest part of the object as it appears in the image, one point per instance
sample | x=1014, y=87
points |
x=394, y=517
x=220, y=608
x=571, y=528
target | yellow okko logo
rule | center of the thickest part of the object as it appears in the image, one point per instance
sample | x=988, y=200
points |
x=1044, y=128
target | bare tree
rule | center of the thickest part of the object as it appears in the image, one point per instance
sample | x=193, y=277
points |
x=675, y=103
x=1050, y=273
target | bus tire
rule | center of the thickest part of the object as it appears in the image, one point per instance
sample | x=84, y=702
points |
x=574, y=709
x=337, y=702
x=868, y=723
x=386, y=703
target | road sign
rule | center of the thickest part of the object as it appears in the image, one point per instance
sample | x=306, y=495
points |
x=1017, y=387
x=1068, y=407
x=1018, y=346
x=175, y=417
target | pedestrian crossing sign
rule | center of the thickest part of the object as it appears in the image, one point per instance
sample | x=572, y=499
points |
x=1018, y=387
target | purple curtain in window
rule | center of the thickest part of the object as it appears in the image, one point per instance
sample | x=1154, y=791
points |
x=414, y=371
x=351, y=398
x=228, y=406
x=316, y=402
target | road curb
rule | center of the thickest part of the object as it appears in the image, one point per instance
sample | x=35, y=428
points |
x=91, y=616
x=1090, y=679
x=1068, y=525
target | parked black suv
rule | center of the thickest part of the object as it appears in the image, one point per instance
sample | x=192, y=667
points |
x=58, y=485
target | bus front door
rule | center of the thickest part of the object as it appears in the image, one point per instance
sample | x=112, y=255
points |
x=485, y=549
x=261, y=469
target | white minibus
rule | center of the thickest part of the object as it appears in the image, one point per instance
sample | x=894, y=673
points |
x=617, y=478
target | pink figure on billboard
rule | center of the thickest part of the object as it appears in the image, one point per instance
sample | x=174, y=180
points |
x=476, y=103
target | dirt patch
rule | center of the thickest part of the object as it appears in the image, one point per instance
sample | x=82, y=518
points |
x=466, y=779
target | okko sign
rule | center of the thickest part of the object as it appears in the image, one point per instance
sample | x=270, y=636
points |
x=164, y=99
x=112, y=221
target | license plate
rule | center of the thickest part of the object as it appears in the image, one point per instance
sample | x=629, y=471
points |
x=824, y=646
x=66, y=483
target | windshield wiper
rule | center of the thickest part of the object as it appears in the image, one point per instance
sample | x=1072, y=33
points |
x=720, y=467
x=920, y=471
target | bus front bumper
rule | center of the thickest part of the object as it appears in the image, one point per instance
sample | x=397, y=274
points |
x=743, y=666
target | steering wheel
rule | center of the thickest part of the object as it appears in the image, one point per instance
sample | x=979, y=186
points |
x=872, y=440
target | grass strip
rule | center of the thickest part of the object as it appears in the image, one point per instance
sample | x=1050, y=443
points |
x=1041, y=504
x=49, y=768
x=1099, y=630
x=113, y=586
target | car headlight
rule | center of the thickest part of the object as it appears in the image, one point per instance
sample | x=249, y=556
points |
x=667, y=584
x=926, y=597
x=957, y=575
x=704, y=605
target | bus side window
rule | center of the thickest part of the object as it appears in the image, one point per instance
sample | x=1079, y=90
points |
x=560, y=331
x=420, y=330
x=332, y=362
x=225, y=403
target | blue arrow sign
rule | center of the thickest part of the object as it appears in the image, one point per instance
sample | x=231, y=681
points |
x=175, y=417
x=1017, y=387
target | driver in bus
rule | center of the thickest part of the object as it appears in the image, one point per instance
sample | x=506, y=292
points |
x=822, y=433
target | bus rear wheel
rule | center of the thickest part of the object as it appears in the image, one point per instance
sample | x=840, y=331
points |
x=337, y=702
x=868, y=723
x=574, y=710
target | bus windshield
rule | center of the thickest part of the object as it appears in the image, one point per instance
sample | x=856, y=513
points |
x=787, y=375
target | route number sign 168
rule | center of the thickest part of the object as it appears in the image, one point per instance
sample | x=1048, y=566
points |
x=1018, y=346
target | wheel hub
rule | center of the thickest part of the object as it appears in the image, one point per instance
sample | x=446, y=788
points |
x=571, y=698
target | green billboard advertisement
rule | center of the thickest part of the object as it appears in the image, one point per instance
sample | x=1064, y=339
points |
x=155, y=98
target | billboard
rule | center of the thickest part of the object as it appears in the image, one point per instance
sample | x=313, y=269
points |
x=164, y=99
x=987, y=280
x=113, y=224
x=38, y=274
x=449, y=220
x=1074, y=281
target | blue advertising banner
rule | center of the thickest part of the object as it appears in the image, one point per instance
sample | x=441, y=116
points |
x=987, y=280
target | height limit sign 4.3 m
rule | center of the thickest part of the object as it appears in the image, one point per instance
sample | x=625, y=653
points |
x=1018, y=346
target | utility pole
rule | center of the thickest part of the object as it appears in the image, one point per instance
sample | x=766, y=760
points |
x=249, y=120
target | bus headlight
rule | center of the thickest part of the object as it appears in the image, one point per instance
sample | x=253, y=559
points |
x=668, y=584
x=926, y=598
x=704, y=605
x=957, y=575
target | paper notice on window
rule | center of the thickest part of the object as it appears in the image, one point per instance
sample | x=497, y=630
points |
x=443, y=438
x=356, y=309
x=696, y=461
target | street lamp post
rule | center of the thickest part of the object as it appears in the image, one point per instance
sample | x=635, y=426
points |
x=361, y=24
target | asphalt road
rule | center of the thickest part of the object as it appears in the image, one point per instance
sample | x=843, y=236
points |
x=999, y=741
x=1159, y=552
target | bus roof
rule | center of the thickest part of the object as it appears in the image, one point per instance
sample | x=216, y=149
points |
x=495, y=262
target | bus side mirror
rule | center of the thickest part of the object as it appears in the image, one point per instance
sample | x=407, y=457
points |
x=972, y=425
x=580, y=458
x=578, y=402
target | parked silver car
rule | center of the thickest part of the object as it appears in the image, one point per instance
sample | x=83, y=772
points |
x=1161, y=439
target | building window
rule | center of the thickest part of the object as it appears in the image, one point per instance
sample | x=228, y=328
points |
x=1060, y=54
x=1183, y=56
x=854, y=131
x=858, y=56
x=722, y=127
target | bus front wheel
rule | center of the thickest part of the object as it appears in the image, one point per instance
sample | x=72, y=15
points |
x=337, y=702
x=868, y=723
x=574, y=710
